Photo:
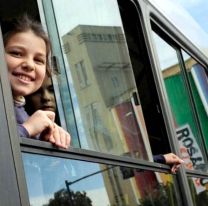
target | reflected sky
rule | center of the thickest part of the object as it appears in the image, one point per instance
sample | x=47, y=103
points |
x=91, y=12
x=167, y=58
x=190, y=16
x=47, y=175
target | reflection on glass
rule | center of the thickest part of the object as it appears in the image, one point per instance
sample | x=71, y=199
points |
x=187, y=17
x=186, y=130
x=199, y=190
x=199, y=84
x=101, y=77
x=55, y=181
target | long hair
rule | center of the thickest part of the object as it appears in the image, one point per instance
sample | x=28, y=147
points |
x=24, y=24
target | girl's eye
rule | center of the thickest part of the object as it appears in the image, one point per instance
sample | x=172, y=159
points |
x=16, y=53
x=40, y=61
x=51, y=89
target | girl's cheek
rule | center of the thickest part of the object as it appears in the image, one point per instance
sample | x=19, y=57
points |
x=42, y=74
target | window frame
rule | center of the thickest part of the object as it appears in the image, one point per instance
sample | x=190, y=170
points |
x=13, y=172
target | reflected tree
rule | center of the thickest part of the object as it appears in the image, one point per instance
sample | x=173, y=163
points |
x=161, y=195
x=62, y=198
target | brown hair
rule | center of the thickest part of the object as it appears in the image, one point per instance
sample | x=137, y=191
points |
x=23, y=24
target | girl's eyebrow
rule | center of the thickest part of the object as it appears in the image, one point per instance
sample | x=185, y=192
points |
x=14, y=47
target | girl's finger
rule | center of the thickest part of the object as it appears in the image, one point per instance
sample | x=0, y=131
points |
x=50, y=115
x=62, y=137
x=68, y=140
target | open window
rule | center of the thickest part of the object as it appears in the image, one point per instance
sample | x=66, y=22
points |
x=147, y=92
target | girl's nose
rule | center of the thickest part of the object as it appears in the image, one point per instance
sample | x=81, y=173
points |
x=46, y=95
x=28, y=65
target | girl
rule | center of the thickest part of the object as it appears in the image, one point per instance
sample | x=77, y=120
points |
x=27, y=49
x=43, y=99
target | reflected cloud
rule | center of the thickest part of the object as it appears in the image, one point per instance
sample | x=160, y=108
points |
x=83, y=12
x=183, y=19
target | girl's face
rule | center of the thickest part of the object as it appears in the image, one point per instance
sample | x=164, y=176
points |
x=26, y=60
x=44, y=98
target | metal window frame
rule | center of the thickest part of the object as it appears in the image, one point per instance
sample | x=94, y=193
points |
x=45, y=148
x=13, y=185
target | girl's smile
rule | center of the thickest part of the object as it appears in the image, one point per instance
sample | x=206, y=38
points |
x=24, y=78
x=26, y=61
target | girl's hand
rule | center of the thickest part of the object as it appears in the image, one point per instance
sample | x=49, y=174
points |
x=60, y=137
x=40, y=121
x=174, y=161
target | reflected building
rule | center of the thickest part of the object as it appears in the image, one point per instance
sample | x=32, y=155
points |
x=103, y=80
x=104, y=83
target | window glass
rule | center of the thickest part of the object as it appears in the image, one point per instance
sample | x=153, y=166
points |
x=199, y=190
x=199, y=84
x=187, y=130
x=58, y=181
x=100, y=78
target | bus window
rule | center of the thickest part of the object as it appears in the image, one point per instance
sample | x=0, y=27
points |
x=59, y=181
x=116, y=109
x=198, y=79
x=186, y=125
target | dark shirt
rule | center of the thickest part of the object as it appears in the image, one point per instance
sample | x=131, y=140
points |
x=159, y=159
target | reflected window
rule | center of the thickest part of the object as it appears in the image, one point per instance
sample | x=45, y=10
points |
x=82, y=74
x=115, y=81
x=187, y=130
x=56, y=181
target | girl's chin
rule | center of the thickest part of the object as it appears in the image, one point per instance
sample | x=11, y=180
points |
x=24, y=90
x=20, y=94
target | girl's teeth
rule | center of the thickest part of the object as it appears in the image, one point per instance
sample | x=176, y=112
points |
x=25, y=78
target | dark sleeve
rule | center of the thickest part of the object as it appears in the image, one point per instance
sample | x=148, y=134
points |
x=159, y=159
x=22, y=131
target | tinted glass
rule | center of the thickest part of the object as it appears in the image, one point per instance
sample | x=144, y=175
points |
x=188, y=17
x=56, y=181
x=187, y=130
x=199, y=190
